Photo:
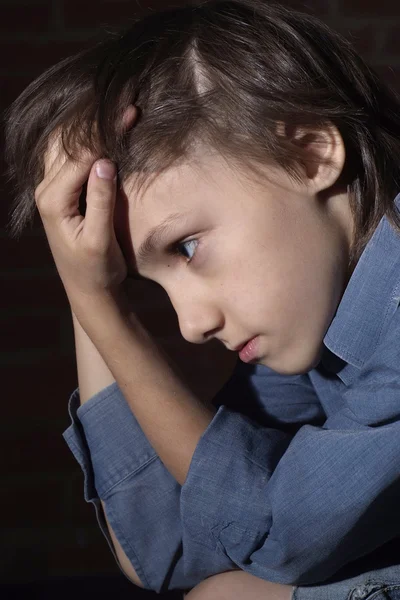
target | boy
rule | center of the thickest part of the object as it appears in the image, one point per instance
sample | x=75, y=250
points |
x=271, y=225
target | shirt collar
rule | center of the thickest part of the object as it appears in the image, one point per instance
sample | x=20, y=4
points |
x=370, y=298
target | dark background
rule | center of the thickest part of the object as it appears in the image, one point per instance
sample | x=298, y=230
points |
x=50, y=543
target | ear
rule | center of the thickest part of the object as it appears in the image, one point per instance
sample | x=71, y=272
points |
x=324, y=154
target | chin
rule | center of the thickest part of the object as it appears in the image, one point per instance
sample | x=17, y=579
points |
x=296, y=366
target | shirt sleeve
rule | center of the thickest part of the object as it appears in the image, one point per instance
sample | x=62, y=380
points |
x=141, y=497
x=295, y=508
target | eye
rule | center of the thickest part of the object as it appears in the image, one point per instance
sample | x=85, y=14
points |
x=184, y=249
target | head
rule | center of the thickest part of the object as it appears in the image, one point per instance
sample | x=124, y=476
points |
x=262, y=129
x=245, y=256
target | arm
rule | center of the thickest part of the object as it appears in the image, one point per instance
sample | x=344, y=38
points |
x=93, y=376
x=298, y=514
x=213, y=367
x=205, y=369
x=93, y=373
x=249, y=493
x=125, y=472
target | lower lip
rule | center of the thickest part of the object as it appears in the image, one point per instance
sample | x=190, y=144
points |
x=250, y=351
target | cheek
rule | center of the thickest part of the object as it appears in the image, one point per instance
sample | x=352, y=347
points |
x=268, y=290
x=248, y=289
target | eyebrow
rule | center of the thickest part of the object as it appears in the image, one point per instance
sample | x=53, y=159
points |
x=154, y=239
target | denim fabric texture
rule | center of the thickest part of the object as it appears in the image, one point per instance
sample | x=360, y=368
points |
x=381, y=584
x=297, y=478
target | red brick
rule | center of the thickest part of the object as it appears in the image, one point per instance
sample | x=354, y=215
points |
x=24, y=16
x=369, y=8
x=40, y=390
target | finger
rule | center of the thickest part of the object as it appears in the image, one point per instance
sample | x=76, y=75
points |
x=53, y=159
x=130, y=115
x=66, y=177
x=100, y=202
x=54, y=156
x=60, y=198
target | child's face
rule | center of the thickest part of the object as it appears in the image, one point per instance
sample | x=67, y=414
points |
x=268, y=260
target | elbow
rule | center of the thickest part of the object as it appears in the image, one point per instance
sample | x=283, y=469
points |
x=127, y=568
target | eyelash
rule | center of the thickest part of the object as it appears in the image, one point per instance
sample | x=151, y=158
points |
x=174, y=249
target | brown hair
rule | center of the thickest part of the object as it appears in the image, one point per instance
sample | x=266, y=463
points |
x=220, y=74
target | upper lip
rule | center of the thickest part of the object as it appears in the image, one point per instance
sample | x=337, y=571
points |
x=240, y=346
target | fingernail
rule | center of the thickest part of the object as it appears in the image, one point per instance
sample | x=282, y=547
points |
x=105, y=169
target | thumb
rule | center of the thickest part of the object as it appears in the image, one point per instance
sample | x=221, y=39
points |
x=100, y=202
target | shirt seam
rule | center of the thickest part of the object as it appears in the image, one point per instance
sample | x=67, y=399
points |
x=142, y=466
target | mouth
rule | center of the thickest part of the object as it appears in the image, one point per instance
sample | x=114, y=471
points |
x=250, y=351
x=239, y=347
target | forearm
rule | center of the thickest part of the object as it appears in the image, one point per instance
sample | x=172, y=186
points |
x=93, y=373
x=170, y=415
x=93, y=376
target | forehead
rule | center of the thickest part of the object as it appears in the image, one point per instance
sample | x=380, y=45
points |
x=183, y=187
x=207, y=179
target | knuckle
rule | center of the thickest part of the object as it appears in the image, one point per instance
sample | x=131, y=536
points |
x=53, y=149
x=94, y=242
x=43, y=206
x=92, y=247
x=39, y=200
x=38, y=190
x=95, y=246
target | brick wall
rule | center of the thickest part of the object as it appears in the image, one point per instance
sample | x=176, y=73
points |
x=47, y=528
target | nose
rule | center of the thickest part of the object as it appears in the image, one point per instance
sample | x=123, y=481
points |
x=198, y=321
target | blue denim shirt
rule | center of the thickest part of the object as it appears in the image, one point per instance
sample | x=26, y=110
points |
x=295, y=479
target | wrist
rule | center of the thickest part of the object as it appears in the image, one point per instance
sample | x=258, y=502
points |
x=97, y=308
